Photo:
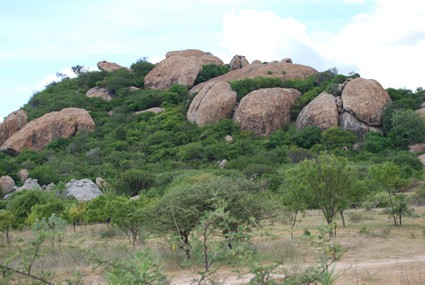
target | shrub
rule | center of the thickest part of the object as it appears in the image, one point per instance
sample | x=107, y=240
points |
x=257, y=171
x=375, y=142
x=133, y=181
x=407, y=128
x=244, y=86
x=307, y=137
x=337, y=138
x=210, y=71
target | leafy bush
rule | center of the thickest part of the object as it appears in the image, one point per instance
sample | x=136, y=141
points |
x=133, y=181
x=210, y=71
x=334, y=138
x=375, y=142
x=244, y=86
x=407, y=128
x=257, y=171
x=307, y=137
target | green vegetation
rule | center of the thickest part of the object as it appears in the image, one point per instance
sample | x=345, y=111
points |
x=205, y=215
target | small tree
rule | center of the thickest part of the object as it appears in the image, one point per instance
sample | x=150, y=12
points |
x=6, y=221
x=389, y=176
x=77, y=212
x=129, y=216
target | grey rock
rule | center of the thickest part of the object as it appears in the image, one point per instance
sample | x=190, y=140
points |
x=82, y=190
x=7, y=184
x=30, y=184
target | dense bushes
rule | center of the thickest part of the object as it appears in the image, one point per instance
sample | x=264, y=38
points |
x=210, y=71
x=244, y=86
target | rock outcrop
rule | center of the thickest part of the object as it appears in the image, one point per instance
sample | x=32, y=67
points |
x=13, y=123
x=82, y=190
x=39, y=132
x=283, y=70
x=421, y=112
x=108, y=66
x=422, y=158
x=266, y=110
x=101, y=182
x=7, y=184
x=179, y=67
x=320, y=112
x=155, y=110
x=23, y=175
x=215, y=101
x=238, y=61
x=30, y=184
x=359, y=108
x=365, y=100
x=99, y=92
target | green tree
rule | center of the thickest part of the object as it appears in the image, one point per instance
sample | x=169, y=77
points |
x=133, y=181
x=389, y=176
x=129, y=216
x=332, y=182
x=7, y=219
x=337, y=138
x=407, y=128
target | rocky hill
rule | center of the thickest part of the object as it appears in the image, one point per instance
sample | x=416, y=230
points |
x=177, y=114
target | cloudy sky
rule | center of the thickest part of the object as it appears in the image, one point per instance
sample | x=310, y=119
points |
x=380, y=39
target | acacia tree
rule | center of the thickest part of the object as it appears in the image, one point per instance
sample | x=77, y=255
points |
x=389, y=176
x=6, y=222
x=331, y=181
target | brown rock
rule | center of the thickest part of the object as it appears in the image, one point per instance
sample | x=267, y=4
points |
x=266, y=110
x=215, y=101
x=256, y=62
x=365, y=100
x=13, y=123
x=100, y=182
x=179, y=67
x=422, y=158
x=99, y=92
x=320, y=112
x=133, y=88
x=282, y=70
x=23, y=175
x=108, y=66
x=421, y=112
x=7, y=184
x=155, y=110
x=287, y=59
x=238, y=61
x=349, y=123
x=39, y=132
x=417, y=148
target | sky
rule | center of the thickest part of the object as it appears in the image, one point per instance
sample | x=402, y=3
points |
x=380, y=39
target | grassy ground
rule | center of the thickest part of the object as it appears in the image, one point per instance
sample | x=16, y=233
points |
x=376, y=251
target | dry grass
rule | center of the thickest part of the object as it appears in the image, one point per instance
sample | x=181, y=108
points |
x=377, y=252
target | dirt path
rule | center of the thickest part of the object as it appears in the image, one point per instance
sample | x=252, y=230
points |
x=404, y=270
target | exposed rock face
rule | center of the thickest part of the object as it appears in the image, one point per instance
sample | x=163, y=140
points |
x=349, y=123
x=23, y=175
x=417, y=148
x=238, y=61
x=108, y=66
x=222, y=164
x=13, y=123
x=154, y=110
x=133, y=88
x=365, y=100
x=82, y=190
x=422, y=158
x=39, y=132
x=30, y=184
x=99, y=92
x=179, y=67
x=7, y=184
x=266, y=110
x=421, y=112
x=282, y=70
x=214, y=102
x=288, y=60
x=320, y=112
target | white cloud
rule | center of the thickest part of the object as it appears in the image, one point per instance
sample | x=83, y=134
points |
x=386, y=44
x=266, y=36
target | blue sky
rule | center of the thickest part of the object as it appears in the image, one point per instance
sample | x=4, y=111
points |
x=380, y=39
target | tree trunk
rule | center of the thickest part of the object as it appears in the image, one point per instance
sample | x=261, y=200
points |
x=186, y=245
x=341, y=212
x=392, y=208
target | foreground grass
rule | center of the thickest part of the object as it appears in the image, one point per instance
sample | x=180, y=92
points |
x=376, y=251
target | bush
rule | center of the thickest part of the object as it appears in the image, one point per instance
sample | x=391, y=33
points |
x=375, y=142
x=337, y=138
x=307, y=137
x=247, y=85
x=407, y=128
x=257, y=171
x=133, y=181
x=210, y=71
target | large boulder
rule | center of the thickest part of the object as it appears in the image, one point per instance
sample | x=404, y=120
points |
x=283, y=70
x=99, y=92
x=349, y=123
x=365, y=100
x=30, y=184
x=108, y=66
x=39, y=132
x=13, y=123
x=179, y=67
x=238, y=61
x=82, y=190
x=320, y=112
x=422, y=158
x=214, y=102
x=7, y=184
x=421, y=112
x=266, y=110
